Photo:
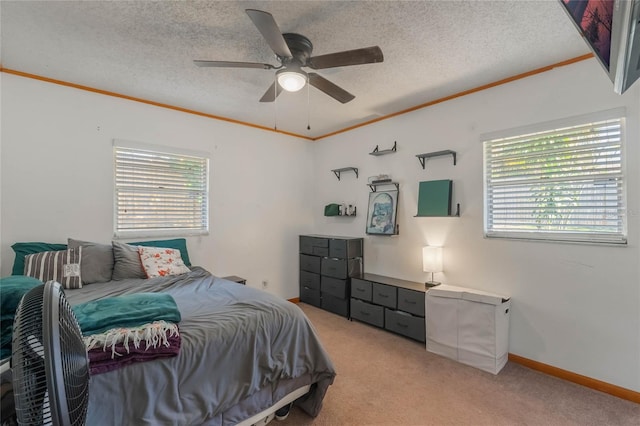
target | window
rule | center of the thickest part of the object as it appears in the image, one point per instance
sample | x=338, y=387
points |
x=563, y=184
x=159, y=191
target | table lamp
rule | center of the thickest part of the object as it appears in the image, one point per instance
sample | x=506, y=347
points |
x=432, y=262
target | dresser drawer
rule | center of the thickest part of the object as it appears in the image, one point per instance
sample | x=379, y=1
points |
x=314, y=245
x=366, y=312
x=310, y=263
x=340, y=268
x=310, y=295
x=405, y=324
x=310, y=279
x=384, y=295
x=411, y=301
x=336, y=268
x=335, y=305
x=361, y=289
x=344, y=249
x=335, y=287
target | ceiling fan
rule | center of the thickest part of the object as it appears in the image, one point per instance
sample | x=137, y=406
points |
x=293, y=51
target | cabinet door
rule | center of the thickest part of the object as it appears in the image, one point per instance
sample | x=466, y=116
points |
x=405, y=324
x=384, y=295
x=345, y=248
x=361, y=289
x=411, y=301
x=336, y=268
x=314, y=245
x=335, y=305
x=310, y=295
x=442, y=326
x=366, y=312
x=310, y=263
x=309, y=279
x=335, y=287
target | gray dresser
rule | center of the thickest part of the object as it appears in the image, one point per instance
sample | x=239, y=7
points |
x=327, y=264
x=390, y=303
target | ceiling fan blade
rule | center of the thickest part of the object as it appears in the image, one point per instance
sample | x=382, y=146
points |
x=270, y=95
x=366, y=55
x=270, y=31
x=230, y=64
x=329, y=88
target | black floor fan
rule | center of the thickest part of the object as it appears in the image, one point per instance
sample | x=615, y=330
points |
x=49, y=360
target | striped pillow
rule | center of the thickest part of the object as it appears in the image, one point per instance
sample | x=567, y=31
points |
x=62, y=266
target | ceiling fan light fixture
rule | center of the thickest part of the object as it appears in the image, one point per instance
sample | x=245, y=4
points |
x=292, y=80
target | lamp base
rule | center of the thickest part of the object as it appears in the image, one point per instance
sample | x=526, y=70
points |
x=430, y=284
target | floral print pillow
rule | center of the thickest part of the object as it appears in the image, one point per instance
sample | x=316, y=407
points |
x=161, y=262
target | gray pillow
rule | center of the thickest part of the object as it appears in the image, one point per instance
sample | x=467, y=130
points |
x=127, y=262
x=97, y=261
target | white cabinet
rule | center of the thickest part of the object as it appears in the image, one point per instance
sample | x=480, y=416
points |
x=470, y=326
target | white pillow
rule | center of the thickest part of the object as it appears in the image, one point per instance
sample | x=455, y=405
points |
x=161, y=262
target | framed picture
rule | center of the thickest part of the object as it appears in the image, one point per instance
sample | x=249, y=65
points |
x=381, y=216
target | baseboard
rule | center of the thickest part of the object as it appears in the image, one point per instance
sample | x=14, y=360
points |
x=598, y=385
x=569, y=376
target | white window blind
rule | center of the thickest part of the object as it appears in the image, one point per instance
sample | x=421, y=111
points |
x=160, y=193
x=565, y=184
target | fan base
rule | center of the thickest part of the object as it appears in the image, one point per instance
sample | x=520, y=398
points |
x=300, y=47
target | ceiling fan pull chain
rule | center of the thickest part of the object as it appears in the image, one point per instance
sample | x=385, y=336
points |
x=275, y=102
x=308, y=105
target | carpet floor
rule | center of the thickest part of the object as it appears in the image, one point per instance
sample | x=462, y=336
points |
x=386, y=379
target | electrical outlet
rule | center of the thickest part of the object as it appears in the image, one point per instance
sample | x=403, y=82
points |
x=265, y=283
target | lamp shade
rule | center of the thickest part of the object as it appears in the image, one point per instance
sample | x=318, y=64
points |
x=432, y=259
x=292, y=81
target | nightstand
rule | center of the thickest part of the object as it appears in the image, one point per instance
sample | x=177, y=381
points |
x=235, y=279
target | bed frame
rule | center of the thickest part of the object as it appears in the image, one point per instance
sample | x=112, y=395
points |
x=265, y=416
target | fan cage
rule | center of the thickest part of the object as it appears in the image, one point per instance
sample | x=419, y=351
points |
x=50, y=364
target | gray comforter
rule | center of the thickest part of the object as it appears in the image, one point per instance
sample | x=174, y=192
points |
x=242, y=350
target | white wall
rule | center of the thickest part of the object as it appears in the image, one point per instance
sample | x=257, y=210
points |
x=57, y=178
x=576, y=307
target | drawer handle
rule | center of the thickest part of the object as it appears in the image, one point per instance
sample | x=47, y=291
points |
x=410, y=302
x=383, y=295
x=403, y=325
x=365, y=313
x=360, y=289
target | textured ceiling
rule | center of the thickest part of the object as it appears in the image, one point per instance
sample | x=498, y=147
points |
x=145, y=49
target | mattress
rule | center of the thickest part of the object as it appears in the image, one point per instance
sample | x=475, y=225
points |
x=243, y=350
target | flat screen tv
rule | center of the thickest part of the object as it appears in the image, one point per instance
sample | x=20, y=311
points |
x=611, y=28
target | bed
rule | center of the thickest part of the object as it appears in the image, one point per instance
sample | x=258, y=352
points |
x=244, y=353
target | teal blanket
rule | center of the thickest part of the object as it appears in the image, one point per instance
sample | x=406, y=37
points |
x=11, y=291
x=131, y=310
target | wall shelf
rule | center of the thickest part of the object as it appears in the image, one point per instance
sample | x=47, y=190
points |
x=374, y=185
x=342, y=212
x=457, y=214
x=378, y=152
x=353, y=213
x=422, y=157
x=345, y=169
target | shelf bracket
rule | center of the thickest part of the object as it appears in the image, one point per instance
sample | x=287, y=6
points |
x=422, y=157
x=345, y=169
x=374, y=186
x=376, y=151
